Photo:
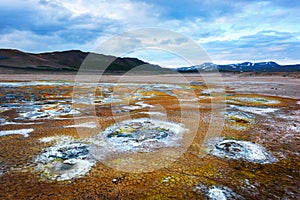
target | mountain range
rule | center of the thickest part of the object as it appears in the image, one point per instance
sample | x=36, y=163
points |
x=241, y=67
x=72, y=60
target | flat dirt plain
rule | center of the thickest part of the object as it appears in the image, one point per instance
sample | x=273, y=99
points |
x=191, y=136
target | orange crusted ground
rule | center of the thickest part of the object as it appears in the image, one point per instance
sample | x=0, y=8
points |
x=190, y=176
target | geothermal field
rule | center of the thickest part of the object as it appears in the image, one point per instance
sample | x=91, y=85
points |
x=159, y=137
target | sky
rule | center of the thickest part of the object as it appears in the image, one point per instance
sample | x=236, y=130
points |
x=228, y=31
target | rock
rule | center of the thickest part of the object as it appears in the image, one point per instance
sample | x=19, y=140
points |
x=115, y=180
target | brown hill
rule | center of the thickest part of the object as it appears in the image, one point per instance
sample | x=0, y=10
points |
x=72, y=60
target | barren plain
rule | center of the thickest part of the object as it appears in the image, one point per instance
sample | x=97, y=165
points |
x=215, y=136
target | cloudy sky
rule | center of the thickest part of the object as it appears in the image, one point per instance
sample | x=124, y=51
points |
x=229, y=31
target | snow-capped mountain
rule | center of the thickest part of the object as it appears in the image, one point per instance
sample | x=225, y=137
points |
x=241, y=67
x=202, y=67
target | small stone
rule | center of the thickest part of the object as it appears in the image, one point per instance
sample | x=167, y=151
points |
x=115, y=180
x=237, y=167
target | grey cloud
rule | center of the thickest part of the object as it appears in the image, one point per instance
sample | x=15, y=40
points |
x=176, y=41
x=265, y=45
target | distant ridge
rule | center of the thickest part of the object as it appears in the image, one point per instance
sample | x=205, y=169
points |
x=71, y=61
x=242, y=67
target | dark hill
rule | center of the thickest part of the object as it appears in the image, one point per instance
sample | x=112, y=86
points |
x=72, y=60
